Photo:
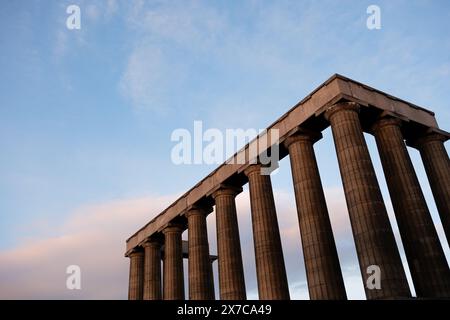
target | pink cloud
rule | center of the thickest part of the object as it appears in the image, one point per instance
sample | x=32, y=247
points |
x=93, y=237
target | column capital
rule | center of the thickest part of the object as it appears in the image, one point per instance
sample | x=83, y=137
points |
x=252, y=168
x=386, y=121
x=353, y=106
x=302, y=135
x=198, y=210
x=136, y=251
x=152, y=242
x=173, y=228
x=226, y=190
x=426, y=138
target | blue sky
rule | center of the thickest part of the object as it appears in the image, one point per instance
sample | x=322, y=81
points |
x=86, y=115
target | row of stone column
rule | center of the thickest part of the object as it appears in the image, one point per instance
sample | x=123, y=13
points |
x=373, y=235
x=374, y=239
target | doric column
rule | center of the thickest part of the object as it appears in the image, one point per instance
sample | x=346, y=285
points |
x=200, y=269
x=426, y=259
x=231, y=271
x=136, y=281
x=173, y=264
x=319, y=250
x=437, y=166
x=374, y=239
x=270, y=268
x=152, y=269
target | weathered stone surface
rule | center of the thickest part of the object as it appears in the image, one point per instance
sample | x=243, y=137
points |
x=231, y=271
x=152, y=270
x=437, y=166
x=319, y=250
x=136, y=279
x=200, y=271
x=374, y=239
x=270, y=268
x=313, y=105
x=426, y=259
x=173, y=279
x=371, y=228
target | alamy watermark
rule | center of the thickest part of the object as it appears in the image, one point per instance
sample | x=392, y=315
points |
x=73, y=21
x=374, y=279
x=374, y=19
x=211, y=146
x=73, y=281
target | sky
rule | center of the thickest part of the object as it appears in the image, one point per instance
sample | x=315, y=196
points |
x=86, y=118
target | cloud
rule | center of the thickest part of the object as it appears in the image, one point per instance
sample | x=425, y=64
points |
x=68, y=41
x=183, y=42
x=93, y=237
x=111, y=8
x=100, y=10
x=202, y=41
x=160, y=60
x=192, y=24
x=60, y=47
x=275, y=48
x=92, y=12
x=145, y=81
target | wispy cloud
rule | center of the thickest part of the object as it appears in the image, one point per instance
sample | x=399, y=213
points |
x=284, y=46
x=93, y=237
x=149, y=78
x=154, y=70
x=100, y=10
x=92, y=12
x=112, y=7
x=60, y=43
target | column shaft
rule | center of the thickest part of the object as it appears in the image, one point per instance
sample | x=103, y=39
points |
x=136, y=280
x=173, y=264
x=437, y=166
x=270, y=268
x=374, y=239
x=152, y=270
x=319, y=250
x=426, y=259
x=200, y=269
x=231, y=271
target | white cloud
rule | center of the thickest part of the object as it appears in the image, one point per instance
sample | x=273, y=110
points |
x=148, y=77
x=198, y=35
x=60, y=43
x=111, y=8
x=92, y=12
x=154, y=70
x=98, y=10
x=65, y=40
